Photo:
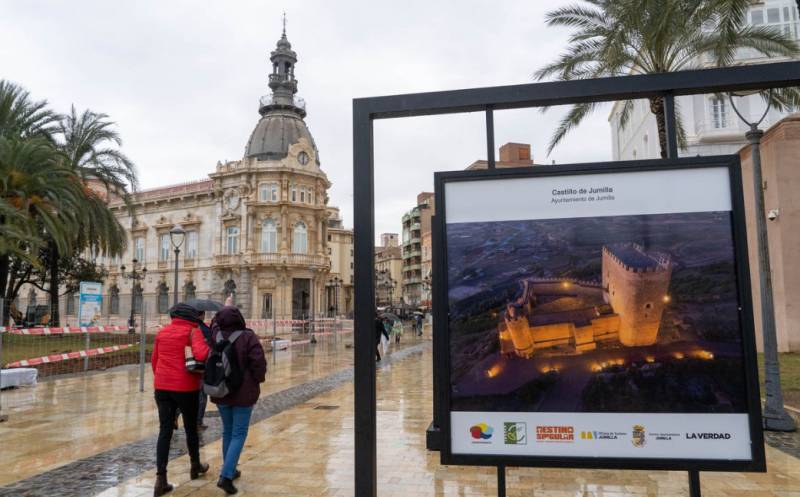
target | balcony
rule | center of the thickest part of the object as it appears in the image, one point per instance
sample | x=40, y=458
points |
x=722, y=127
x=226, y=259
x=412, y=253
x=416, y=226
x=163, y=264
x=188, y=262
x=277, y=259
x=413, y=267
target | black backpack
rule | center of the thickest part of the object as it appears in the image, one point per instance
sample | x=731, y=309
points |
x=223, y=373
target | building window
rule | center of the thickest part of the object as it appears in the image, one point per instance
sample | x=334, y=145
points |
x=300, y=240
x=191, y=244
x=266, y=306
x=269, y=236
x=311, y=196
x=302, y=194
x=163, y=298
x=189, y=291
x=268, y=192
x=138, y=249
x=719, y=113
x=114, y=300
x=294, y=193
x=757, y=17
x=137, y=298
x=70, y=303
x=232, y=239
x=163, y=252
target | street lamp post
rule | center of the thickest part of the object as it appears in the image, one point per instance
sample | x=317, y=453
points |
x=176, y=236
x=134, y=276
x=775, y=416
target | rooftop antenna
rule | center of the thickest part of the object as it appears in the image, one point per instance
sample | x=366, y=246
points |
x=284, y=24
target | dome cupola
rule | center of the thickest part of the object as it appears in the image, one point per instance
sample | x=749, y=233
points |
x=282, y=113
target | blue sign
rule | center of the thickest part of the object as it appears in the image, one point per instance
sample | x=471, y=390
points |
x=91, y=303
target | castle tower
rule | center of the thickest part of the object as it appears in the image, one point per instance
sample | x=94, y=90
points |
x=635, y=284
x=519, y=331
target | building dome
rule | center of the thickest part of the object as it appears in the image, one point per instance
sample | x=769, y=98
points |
x=275, y=132
x=281, y=124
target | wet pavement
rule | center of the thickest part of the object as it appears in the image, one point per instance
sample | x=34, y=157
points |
x=301, y=442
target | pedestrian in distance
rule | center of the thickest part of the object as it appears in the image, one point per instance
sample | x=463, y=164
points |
x=379, y=331
x=179, y=347
x=246, y=370
x=419, y=324
x=203, y=400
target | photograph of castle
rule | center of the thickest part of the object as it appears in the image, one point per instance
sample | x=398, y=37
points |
x=607, y=314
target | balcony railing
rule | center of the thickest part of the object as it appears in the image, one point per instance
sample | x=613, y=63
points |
x=412, y=253
x=274, y=258
x=226, y=259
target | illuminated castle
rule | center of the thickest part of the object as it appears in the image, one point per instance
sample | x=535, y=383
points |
x=577, y=315
x=635, y=284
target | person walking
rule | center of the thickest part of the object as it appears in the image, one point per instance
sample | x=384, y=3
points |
x=203, y=398
x=177, y=388
x=236, y=408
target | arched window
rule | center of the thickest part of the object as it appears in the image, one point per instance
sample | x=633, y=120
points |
x=163, y=298
x=269, y=236
x=300, y=239
x=138, y=297
x=114, y=300
x=189, y=291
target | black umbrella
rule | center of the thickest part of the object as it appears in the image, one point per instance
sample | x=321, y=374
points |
x=388, y=315
x=205, y=305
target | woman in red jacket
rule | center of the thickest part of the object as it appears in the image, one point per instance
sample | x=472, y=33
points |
x=177, y=388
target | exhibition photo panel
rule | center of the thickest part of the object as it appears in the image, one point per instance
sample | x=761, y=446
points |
x=597, y=314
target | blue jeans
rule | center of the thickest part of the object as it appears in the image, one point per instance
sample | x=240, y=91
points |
x=235, y=423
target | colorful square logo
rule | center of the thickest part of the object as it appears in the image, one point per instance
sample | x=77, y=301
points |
x=515, y=433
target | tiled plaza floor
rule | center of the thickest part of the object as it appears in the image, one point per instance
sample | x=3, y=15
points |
x=307, y=451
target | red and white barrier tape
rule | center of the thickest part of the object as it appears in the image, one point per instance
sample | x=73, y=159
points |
x=66, y=330
x=66, y=356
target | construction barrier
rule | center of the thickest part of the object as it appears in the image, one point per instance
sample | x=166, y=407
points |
x=66, y=356
x=66, y=330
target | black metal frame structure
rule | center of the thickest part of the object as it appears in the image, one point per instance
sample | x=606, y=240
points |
x=442, y=334
x=366, y=110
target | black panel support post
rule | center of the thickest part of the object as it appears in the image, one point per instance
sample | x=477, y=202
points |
x=694, y=483
x=366, y=450
x=490, y=137
x=501, y=481
x=671, y=125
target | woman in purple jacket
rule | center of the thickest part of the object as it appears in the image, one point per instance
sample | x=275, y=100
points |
x=236, y=407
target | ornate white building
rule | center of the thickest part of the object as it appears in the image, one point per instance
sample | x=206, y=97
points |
x=259, y=228
x=712, y=127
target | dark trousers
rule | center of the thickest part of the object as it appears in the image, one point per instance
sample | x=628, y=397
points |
x=168, y=403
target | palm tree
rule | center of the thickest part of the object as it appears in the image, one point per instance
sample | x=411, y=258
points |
x=21, y=118
x=621, y=37
x=87, y=142
x=43, y=202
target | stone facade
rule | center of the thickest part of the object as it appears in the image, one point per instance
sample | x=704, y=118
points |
x=780, y=162
x=259, y=228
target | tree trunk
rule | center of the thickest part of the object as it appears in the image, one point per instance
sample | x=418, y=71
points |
x=55, y=318
x=657, y=108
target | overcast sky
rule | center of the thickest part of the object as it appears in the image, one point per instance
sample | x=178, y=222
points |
x=182, y=80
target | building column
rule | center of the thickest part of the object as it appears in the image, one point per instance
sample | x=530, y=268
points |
x=245, y=295
x=319, y=234
x=284, y=230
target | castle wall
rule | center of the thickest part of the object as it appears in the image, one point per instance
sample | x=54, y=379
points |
x=637, y=296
